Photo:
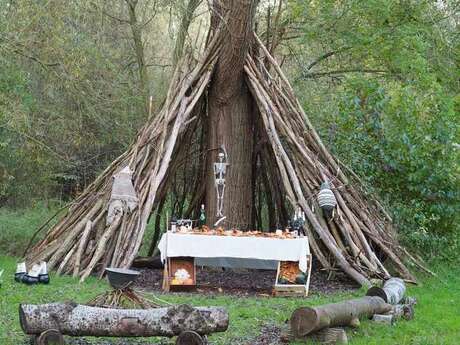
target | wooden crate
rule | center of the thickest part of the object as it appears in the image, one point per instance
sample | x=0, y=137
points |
x=171, y=266
x=293, y=290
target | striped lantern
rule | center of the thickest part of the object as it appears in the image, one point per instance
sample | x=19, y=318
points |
x=326, y=199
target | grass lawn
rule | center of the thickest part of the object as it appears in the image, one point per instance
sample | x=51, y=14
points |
x=437, y=319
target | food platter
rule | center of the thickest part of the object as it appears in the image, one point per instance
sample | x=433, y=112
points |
x=280, y=234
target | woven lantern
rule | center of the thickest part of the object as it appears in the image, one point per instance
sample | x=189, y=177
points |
x=326, y=199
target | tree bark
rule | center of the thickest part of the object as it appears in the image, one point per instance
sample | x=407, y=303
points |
x=81, y=320
x=306, y=320
x=231, y=115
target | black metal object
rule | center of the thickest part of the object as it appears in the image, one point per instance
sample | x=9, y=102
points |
x=120, y=278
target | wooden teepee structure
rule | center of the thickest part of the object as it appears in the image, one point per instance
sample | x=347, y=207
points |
x=356, y=240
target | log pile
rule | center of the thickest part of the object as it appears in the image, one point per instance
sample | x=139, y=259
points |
x=357, y=238
x=321, y=323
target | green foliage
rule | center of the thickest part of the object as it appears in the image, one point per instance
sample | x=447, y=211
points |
x=402, y=142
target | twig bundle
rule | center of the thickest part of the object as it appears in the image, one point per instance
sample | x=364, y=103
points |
x=126, y=298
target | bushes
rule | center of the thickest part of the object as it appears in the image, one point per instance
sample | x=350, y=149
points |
x=401, y=141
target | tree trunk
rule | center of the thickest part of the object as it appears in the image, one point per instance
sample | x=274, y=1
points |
x=81, y=320
x=185, y=22
x=139, y=50
x=306, y=320
x=231, y=115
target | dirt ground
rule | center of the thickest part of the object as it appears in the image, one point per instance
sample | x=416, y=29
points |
x=243, y=282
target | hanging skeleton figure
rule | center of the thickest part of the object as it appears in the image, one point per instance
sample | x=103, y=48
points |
x=220, y=169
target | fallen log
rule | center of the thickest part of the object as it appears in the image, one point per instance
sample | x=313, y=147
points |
x=307, y=320
x=81, y=320
x=392, y=292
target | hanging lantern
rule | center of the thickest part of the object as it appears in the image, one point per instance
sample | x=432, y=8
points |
x=326, y=199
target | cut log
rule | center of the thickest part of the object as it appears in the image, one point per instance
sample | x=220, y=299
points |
x=307, y=320
x=404, y=311
x=50, y=337
x=387, y=319
x=392, y=292
x=189, y=338
x=329, y=336
x=81, y=320
x=323, y=336
x=410, y=300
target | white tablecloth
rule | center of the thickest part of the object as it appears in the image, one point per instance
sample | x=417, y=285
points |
x=262, y=248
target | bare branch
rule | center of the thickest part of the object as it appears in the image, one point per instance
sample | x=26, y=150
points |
x=342, y=71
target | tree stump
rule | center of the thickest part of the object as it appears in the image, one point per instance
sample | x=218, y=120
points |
x=189, y=338
x=329, y=336
x=50, y=337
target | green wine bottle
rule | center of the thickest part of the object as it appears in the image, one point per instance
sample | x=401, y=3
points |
x=202, y=220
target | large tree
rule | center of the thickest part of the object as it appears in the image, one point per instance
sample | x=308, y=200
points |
x=230, y=118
